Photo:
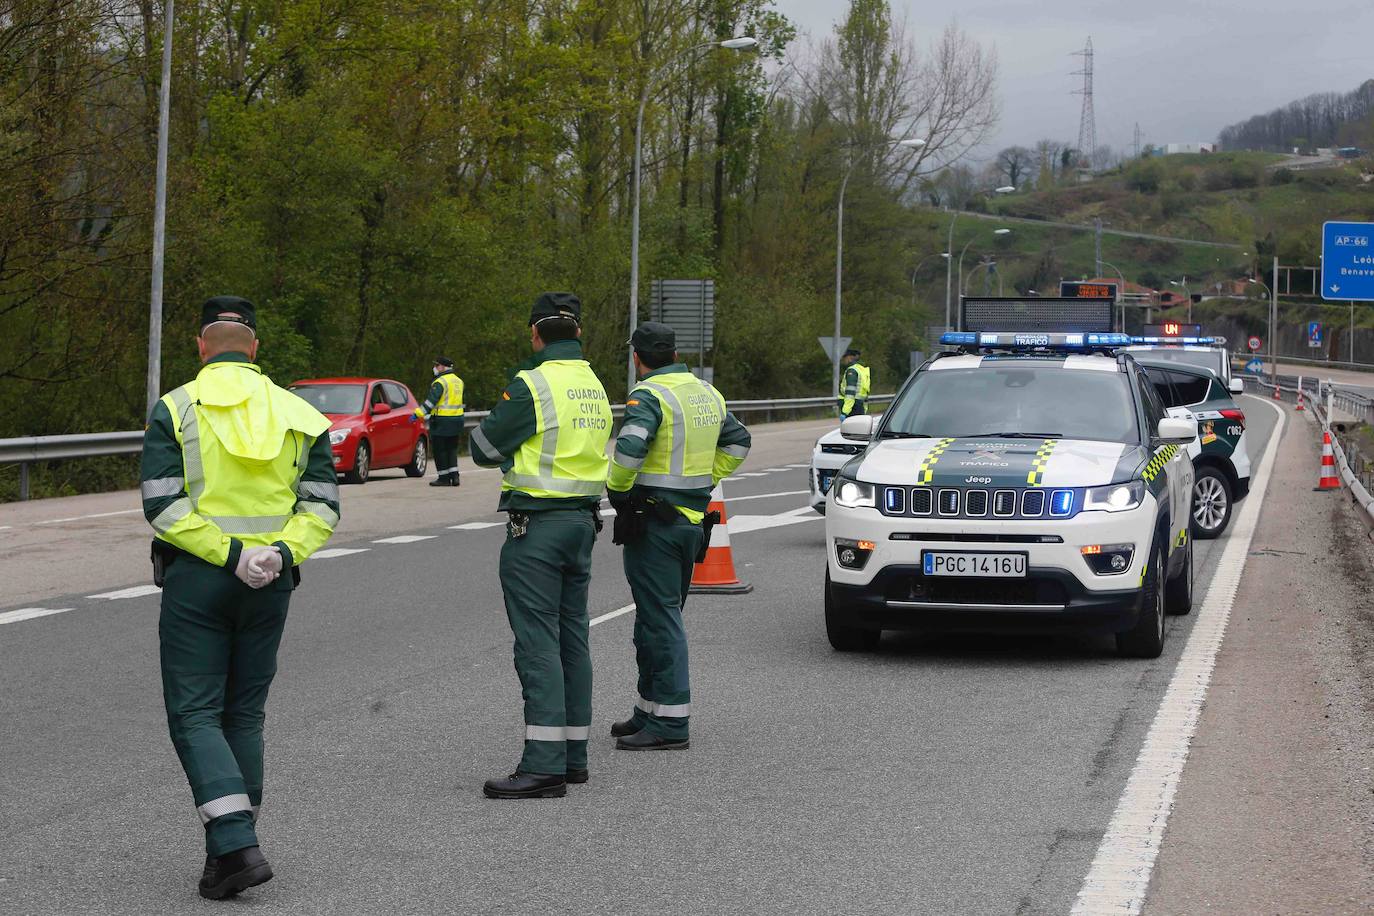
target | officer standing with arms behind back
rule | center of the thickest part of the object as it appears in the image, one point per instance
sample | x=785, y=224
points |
x=677, y=442
x=548, y=433
x=854, y=386
x=239, y=486
x=443, y=407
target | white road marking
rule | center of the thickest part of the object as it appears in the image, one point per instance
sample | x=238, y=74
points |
x=773, y=470
x=740, y=499
x=611, y=615
x=28, y=613
x=475, y=526
x=806, y=466
x=406, y=539
x=1120, y=873
x=750, y=474
x=78, y=518
x=739, y=524
x=136, y=591
x=331, y=552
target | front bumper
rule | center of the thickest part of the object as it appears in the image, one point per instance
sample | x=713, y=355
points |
x=1060, y=591
x=824, y=467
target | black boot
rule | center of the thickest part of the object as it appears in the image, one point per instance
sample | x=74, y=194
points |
x=577, y=777
x=440, y=481
x=621, y=729
x=455, y=482
x=234, y=871
x=643, y=741
x=526, y=785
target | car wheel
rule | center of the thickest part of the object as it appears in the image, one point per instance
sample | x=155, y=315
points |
x=845, y=638
x=420, y=460
x=1146, y=638
x=362, y=465
x=1211, y=503
x=1178, y=595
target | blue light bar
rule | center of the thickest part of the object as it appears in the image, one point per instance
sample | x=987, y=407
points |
x=1032, y=340
x=1181, y=341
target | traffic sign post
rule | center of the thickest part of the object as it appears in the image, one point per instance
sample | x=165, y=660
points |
x=1348, y=262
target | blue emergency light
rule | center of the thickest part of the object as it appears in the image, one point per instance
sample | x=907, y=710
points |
x=1032, y=340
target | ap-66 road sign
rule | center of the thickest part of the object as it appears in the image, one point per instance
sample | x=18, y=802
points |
x=1348, y=261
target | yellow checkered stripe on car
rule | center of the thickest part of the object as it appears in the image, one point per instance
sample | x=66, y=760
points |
x=1042, y=458
x=1157, y=463
x=925, y=472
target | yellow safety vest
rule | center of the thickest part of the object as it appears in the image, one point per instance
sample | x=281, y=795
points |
x=245, y=444
x=451, y=401
x=683, y=452
x=566, y=456
x=864, y=381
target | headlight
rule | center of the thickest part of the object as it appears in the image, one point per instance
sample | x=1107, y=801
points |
x=853, y=494
x=1117, y=497
x=337, y=436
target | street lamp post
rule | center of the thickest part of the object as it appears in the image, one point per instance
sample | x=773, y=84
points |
x=915, y=270
x=1273, y=311
x=164, y=106
x=1183, y=285
x=949, y=246
x=730, y=44
x=1120, y=293
x=961, y=275
x=911, y=143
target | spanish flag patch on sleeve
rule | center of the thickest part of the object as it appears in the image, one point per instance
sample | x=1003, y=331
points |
x=632, y=402
x=505, y=395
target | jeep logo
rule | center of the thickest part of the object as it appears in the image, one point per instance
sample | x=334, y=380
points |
x=977, y=480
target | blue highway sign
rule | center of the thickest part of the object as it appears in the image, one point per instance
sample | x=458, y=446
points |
x=1314, y=333
x=1255, y=366
x=1348, y=261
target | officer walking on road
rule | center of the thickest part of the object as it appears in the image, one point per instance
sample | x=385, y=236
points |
x=854, y=386
x=239, y=486
x=677, y=442
x=443, y=407
x=548, y=434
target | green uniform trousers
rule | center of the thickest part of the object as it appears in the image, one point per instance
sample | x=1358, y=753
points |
x=544, y=577
x=219, y=642
x=446, y=453
x=659, y=570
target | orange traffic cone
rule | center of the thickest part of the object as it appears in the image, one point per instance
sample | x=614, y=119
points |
x=1329, y=480
x=1277, y=396
x=1300, y=397
x=716, y=575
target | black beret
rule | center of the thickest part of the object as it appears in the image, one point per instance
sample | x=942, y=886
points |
x=556, y=305
x=228, y=308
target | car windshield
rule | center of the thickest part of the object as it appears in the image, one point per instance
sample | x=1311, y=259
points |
x=1207, y=359
x=1017, y=400
x=335, y=399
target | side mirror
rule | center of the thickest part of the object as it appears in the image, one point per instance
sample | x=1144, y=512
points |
x=1237, y=386
x=381, y=408
x=859, y=429
x=1176, y=431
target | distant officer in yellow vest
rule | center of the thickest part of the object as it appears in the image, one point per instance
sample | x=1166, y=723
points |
x=239, y=486
x=854, y=385
x=548, y=434
x=443, y=408
x=677, y=442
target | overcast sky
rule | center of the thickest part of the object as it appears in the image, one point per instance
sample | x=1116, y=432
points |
x=1183, y=69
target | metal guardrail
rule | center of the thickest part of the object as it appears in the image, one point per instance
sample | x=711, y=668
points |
x=1318, y=396
x=28, y=450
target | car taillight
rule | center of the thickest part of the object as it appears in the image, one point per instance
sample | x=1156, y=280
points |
x=1233, y=414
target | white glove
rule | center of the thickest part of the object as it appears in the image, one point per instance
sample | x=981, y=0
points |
x=250, y=569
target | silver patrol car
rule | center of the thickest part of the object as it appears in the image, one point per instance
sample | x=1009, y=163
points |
x=1026, y=482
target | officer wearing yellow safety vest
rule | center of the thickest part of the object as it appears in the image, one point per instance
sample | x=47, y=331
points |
x=854, y=386
x=677, y=442
x=548, y=434
x=239, y=486
x=443, y=407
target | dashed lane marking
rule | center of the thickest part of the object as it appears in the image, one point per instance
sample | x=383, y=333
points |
x=475, y=526
x=330, y=553
x=28, y=613
x=751, y=474
x=611, y=615
x=1119, y=876
x=137, y=591
x=773, y=470
x=740, y=499
x=81, y=518
x=406, y=539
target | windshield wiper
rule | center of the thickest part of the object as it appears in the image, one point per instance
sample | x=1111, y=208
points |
x=898, y=434
x=1017, y=435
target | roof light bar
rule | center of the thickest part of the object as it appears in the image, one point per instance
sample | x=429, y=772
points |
x=1032, y=340
x=1194, y=341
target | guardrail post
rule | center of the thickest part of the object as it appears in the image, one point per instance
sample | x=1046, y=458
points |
x=1330, y=400
x=23, y=480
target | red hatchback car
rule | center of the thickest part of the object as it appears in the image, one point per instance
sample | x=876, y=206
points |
x=371, y=425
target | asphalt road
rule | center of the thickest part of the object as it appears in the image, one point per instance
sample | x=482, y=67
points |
x=936, y=775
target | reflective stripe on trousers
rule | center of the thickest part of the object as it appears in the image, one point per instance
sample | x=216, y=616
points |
x=225, y=804
x=664, y=710
x=557, y=732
